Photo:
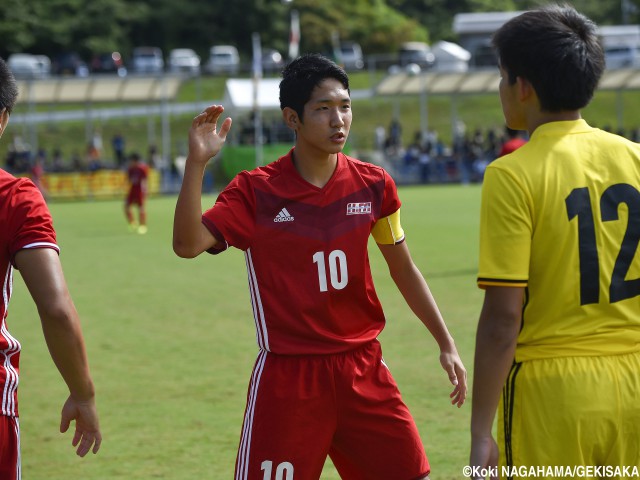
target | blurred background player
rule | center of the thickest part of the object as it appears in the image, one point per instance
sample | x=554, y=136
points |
x=319, y=386
x=28, y=243
x=513, y=141
x=558, y=338
x=137, y=174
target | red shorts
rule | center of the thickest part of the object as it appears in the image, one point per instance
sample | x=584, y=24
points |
x=9, y=448
x=302, y=408
x=136, y=195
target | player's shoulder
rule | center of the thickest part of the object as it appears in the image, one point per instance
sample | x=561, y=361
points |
x=365, y=168
x=612, y=139
x=11, y=185
x=266, y=172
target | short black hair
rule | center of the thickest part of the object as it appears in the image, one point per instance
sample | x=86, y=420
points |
x=135, y=157
x=8, y=88
x=557, y=50
x=302, y=75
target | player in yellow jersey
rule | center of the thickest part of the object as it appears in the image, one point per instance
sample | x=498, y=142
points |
x=558, y=341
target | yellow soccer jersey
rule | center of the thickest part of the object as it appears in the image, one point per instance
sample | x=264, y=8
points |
x=561, y=217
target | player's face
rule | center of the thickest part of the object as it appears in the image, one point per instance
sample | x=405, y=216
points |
x=327, y=118
x=509, y=101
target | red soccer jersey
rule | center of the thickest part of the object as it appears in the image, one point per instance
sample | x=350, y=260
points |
x=25, y=222
x=137, y=175
x=306, y=252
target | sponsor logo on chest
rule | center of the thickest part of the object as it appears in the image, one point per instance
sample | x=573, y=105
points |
x=362, y=208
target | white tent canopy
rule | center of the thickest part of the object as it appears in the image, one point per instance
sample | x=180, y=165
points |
x=451, y=57
x=239, y=94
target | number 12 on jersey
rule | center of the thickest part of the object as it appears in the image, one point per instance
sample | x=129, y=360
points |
x=579, y=205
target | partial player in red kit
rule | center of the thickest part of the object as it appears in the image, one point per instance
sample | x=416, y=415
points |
x=319, y=386
x=137, y=174
x=28, y=243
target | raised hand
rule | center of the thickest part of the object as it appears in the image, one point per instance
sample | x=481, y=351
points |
x=205, y=140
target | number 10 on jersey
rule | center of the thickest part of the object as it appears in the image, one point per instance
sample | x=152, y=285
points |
x=336, y=263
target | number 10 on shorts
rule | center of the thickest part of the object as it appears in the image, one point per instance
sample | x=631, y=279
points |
x=284, y=471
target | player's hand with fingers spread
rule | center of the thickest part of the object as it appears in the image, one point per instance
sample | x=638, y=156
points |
x=87, y=435
x=452, y=364
x=205, y=140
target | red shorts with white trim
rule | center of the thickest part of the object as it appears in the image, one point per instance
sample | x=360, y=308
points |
x=9, y=448
x=301, y=409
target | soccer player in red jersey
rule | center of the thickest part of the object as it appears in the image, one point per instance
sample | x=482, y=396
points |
x=319, y=386
x=28, y=243
x=513, y=142
x=137, y=174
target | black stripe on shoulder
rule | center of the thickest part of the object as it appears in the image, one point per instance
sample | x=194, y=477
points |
x=500, y=280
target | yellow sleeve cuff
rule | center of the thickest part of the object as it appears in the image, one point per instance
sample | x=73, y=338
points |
x=387, y=230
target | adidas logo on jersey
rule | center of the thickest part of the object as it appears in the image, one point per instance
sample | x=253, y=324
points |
x=283, y=216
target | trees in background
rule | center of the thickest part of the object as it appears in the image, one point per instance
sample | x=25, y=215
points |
x=88, y=26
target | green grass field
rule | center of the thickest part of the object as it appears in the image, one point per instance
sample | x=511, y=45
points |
x=171, y=342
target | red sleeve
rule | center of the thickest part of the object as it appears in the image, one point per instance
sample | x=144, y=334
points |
x=232, y=218
x=30, y=222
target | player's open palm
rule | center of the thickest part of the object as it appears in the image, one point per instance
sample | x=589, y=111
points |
x=205, y=139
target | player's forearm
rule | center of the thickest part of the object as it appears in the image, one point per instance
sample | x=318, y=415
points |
x=417, y=294
x=62, y=333
x=42, y=273
x=495, y=350
x=188, y=214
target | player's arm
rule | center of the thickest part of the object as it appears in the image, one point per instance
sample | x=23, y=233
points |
x=190, y=236
x=417, y=294
x=42, y=273
x=496, y=341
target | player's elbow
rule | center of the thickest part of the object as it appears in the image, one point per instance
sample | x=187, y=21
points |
x=500, y=330
x=58, y=311
x=184, y=250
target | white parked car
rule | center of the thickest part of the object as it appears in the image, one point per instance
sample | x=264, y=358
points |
x=184, y=60
x=272, y=60
x=622, y=56
x=26, y=65
x=223, y=59
x=147, y=60
x=351, y=56
x=417, y=53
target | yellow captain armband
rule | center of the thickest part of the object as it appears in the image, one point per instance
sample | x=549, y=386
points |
x=387, y=230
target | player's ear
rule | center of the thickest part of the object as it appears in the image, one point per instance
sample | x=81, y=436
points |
x=525, y=89
x=290, y=117
x=4, y=120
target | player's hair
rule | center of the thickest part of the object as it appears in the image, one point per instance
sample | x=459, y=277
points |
x=8, y=88
x=302, y=75
x=135, y=157
x=557, y=50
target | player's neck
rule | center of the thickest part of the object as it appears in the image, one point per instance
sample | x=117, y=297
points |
x=316, y=169
x=541, y=118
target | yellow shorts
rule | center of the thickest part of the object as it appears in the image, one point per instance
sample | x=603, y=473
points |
x=573, y=411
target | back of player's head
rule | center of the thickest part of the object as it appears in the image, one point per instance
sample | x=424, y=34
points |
x=557, y=50
x=135, y=157
x=8, y=88
x=302, y=75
